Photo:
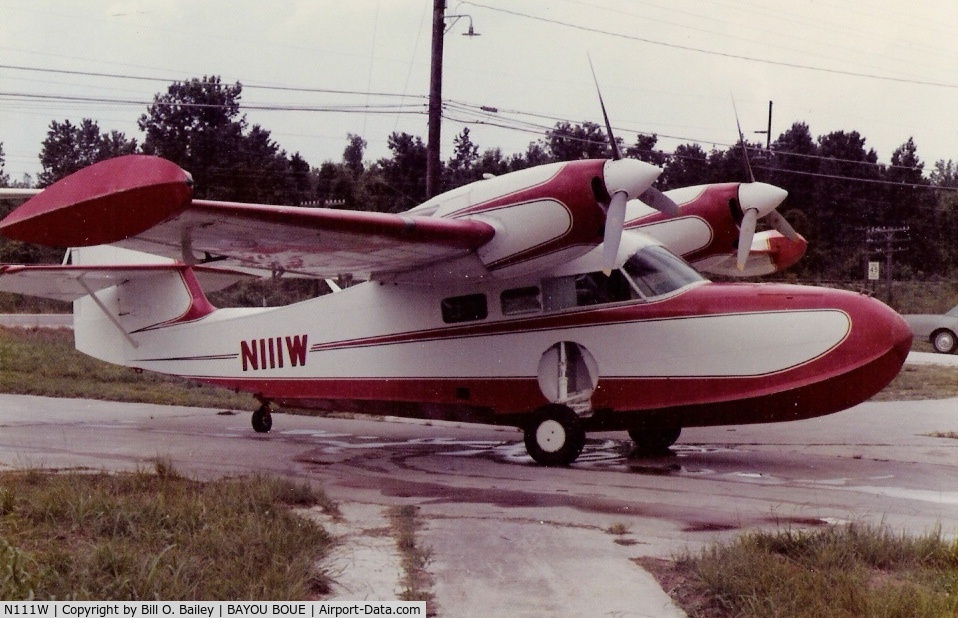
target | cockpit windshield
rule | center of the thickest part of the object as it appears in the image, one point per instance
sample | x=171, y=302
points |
x=651, y=272
x=654, y=271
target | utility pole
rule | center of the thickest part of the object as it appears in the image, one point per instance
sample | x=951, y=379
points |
x=768, y=132
x=433, y=164
x=887, y=241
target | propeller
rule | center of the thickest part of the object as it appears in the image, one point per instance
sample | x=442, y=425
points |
x=625, y=179
x=757, y=199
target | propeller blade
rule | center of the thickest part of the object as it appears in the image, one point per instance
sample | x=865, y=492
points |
x=660, y=201
x=746, y=233
x=616, y=155
x=614, y=222
x=741, y=140
x=782, y=225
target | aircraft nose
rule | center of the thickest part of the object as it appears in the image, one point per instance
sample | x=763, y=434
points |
x=883, y=337
x=760, y=196
x=901, y=334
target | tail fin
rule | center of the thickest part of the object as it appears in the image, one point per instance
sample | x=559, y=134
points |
x=108, y=323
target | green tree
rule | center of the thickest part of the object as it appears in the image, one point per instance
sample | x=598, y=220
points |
x=4, y=177
x=845, y=207
x=910, y=202
x=402, y=178
x=461, y=168
x=197, y=125
x=353, y=155
x=68, y=148
x=567, y=142
x=687, y=166
x=945, y=174
x=492, y=161
x=644, y=150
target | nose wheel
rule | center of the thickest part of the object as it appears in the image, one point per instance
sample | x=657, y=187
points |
x=554, y=436
x=262, y=419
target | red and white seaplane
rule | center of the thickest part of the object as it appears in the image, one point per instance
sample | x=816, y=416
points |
x=554, y=299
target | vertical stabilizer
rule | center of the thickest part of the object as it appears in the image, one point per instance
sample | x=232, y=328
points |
x=112, y=323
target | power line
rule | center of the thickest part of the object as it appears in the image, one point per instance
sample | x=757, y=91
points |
x=246, y=85
x=371, y=109
x=792, y=65
x=482, y=115
x=483, y=111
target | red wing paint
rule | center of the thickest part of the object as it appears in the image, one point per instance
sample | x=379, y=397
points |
x=103, y=203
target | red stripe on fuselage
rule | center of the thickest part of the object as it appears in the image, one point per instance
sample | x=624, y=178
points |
x=854, y=369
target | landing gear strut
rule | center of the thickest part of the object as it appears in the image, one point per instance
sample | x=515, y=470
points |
x=263, y=419
x=554, y=436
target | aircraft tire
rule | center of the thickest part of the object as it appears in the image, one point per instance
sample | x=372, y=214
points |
x=654, y=439
x=944, y=341
x=262, y=420
x=554, y=436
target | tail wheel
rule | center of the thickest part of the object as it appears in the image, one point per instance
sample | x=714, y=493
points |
x=652, y=439
x=262, y=419
x=944, y=341
x=554, y=436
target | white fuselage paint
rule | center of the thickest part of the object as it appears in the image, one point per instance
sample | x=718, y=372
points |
x=341, y=332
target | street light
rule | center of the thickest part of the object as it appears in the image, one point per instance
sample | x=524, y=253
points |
x=455, y=19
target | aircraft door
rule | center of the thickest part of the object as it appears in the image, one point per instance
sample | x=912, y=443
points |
x=568, y=375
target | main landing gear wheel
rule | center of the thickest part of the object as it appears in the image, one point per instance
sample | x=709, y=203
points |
x=654, y=439
x=554, y=436
x=944, y=341
x=262, y=419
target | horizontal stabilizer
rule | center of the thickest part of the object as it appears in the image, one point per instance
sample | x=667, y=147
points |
x=68, y=283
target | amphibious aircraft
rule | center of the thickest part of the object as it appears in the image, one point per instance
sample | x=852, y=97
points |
x=558, y=299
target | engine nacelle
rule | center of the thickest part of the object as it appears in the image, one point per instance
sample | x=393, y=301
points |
x=546, y=215
x=706, y=230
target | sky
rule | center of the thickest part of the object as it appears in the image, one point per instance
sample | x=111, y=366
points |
x=314, y=71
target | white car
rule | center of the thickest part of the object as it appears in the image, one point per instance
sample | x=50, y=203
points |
x=939, y=329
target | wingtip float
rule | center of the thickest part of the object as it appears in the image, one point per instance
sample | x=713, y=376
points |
x=103, y=203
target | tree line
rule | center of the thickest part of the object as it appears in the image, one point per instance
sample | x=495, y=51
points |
x=837, y=187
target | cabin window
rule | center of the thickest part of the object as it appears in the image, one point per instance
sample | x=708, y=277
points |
x=466, y=308
x=586, y=290
x=521, y=300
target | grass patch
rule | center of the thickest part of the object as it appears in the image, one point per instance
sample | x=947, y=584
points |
x=157, y=536
x=841, y=571
x=415, y=558
x=44, y=362
x=916, y=382
x=618, y=529
x=951, y=435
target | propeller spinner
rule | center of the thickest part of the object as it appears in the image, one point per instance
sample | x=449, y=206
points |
x=758, y=199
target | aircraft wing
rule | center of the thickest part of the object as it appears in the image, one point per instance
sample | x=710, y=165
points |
x=315, y=242
x=145, y=204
